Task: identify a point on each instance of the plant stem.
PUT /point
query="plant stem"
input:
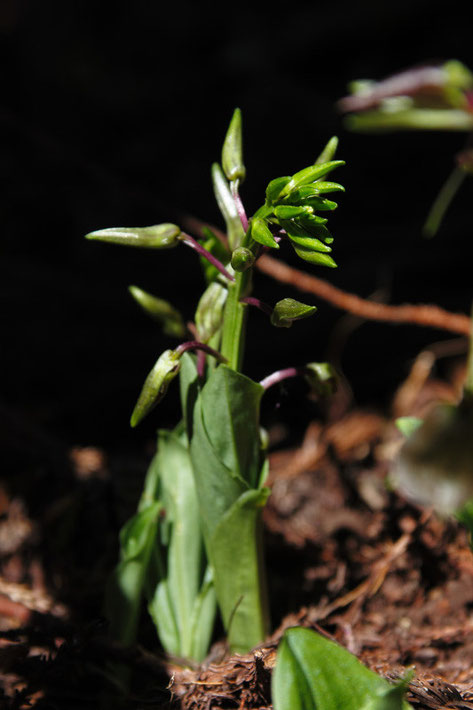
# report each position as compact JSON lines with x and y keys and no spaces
{"x":234,"y":321}
{"x":194,"y":244}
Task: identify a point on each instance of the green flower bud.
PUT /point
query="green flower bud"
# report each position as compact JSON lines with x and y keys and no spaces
{"x":156,"y":385}
{"x":322,"y":378}
{"x":288,"y":310}
{"x":169,"y":318}
{"x":209,"y":313}
{"x":242,"y":259}
{"x":262,"y":234}
{"x":159,"y":236}
{"x":232,"y":153}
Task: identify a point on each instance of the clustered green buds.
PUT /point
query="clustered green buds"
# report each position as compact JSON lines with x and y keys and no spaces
{"x":291,"y":207}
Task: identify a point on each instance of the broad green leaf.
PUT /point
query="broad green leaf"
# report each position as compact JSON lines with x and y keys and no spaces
{"x":167,"y":316}
{"x":125,"y":587}
{"x":232,"y":152}
{"x":188,"y":386}
{"x":288,"y":310}
{"x":209,"y":313}
{"x":230,"y":411}
{"x":314,"y":257}
{"x":314,"y":673}
{"x":159,"y":236}
{"x":310,"y":174}
{"x":156,"y":385}
{"x":236,"y":554}
{"x":261,"y":233}
{"x":227,"y":207}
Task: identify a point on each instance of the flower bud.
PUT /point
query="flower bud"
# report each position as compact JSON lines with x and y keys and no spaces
{"x":158,"y":236}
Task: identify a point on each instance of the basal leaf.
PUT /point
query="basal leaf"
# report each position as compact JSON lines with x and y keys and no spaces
{"x":314,"y":673}
{"x":235,"y":550}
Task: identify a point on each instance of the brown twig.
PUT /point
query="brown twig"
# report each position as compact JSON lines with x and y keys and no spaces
{"x":426,"y":315}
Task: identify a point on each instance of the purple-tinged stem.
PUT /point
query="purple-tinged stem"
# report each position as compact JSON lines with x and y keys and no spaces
{"x":239,"y":204}
{"x":194,"y":244}
{"x":281,"y":375}
{"x":200,"y":363}
{"x":197,"y":345}
{"x":251,"y":301}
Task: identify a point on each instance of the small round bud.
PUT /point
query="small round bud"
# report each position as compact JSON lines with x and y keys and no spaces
{"x":242,"y":259}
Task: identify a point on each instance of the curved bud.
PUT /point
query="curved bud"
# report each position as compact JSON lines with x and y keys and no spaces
{"x":158,"y":236}
{"x":262,"y":234}
{"x":310,"y":174}
{"x":156,"y":385}
{"x":232,"y":153}
{"x":242,"y":259}
{"x":321,"y":377}
{"x":288,"y":310}
{"x":328,"y":152}
{"x":167,"y":316}
{"x":275,"y":187}
{"x":209,"y":313}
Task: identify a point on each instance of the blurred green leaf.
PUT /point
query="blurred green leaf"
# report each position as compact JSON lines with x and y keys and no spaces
{"x":322,"y":378}
{"x":313,"y":673}
{"x":408,"y":425}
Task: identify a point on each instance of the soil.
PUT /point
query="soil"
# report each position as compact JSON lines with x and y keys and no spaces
{"x":346,"y":556}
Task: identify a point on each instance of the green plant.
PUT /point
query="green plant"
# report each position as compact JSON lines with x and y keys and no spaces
{"x":422,"y":98}
{"x":314,"y":673}
{"x":195,"y":542}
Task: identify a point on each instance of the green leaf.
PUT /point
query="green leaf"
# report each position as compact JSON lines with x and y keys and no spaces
{"x":315,"y":257}
{"x":173,"y":602}
{"x":274,"y":189}
{"x":235,"y":552}
{"x":288,"y":310}
{"x":232,"y":153}
{"x":125,"y":587}
{"x":166,"y":315}
{"x":261,"y":233}
{"x":408,"y":425}
{"x":159,"y":236}
{"x":156,"y":385}
{"x":313,"y":673}
{"x":227,"y":207}
{"x":310,"y":174}
{"x":189,"y":388}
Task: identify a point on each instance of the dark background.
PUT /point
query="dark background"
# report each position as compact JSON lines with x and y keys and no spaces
{"x":111,"y":115}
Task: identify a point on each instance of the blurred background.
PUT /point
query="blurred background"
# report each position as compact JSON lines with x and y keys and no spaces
{"x":111,"y":115}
